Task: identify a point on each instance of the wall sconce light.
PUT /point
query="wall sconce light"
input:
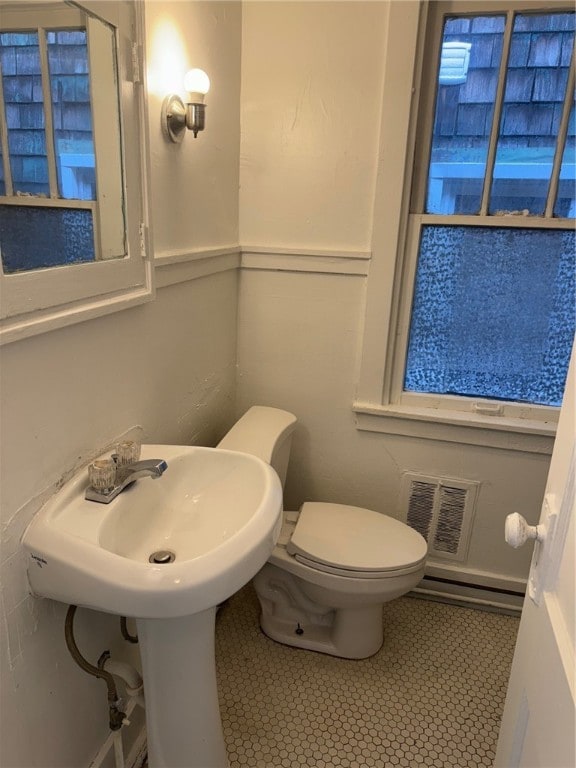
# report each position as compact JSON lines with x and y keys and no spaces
{"x":177,"y":116}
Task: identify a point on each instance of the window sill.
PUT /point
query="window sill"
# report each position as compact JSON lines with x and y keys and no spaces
{"x":524,"y":435}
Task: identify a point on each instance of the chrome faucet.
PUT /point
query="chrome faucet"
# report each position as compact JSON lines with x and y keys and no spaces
{"x":115,"y":478}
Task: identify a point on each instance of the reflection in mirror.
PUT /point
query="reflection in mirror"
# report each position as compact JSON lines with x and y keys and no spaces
{"x":61,"y":186}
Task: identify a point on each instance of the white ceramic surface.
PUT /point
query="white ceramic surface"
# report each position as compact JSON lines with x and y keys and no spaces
{"x":219,"y":511}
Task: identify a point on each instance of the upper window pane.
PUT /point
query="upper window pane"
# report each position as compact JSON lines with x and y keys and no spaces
{"x":536,"y":79}
{"x":464,"y":110}
{"x":493,"y":313}
{"x":533,"y":97}
{"x":23,"y":98}
{"x":71,"y":114}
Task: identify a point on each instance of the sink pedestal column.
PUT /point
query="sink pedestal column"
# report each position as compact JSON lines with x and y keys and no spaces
{"x":182,"y":713}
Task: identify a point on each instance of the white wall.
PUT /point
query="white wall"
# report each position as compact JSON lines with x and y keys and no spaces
{"x":311,"y":81}
{"x":311,"y":96}
{"x":195,"y":184}
{"x":167,"y":366}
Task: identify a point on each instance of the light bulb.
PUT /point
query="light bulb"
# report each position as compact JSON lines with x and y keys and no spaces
{"x":197,"y":83}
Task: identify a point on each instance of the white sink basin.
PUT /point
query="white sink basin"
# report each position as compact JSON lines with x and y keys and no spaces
{"x":218,"y":511}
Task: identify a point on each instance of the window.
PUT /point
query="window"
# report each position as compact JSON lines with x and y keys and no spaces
{"x":481,"y":316}
{"x":72,"y":239}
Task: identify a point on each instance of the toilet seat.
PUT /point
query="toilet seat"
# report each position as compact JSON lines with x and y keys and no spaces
{"x":354,"y":542}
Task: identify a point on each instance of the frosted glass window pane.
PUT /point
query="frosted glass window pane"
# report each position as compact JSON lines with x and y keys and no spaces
{"x":23,"y":99}
{"x":36,"y":238}
{"x":71,"y":113}
{"x":463,"y":117}
{"x":533,"y":100}
{"x":493,"y":313}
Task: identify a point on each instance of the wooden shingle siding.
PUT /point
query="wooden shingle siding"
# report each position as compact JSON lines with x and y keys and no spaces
{"x":536,"y":83}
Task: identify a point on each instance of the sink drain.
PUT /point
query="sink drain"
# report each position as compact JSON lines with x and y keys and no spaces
{"x":162,"y":556}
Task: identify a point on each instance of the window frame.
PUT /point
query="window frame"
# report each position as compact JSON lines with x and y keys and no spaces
{"x":41,"y":300}
{"x":381,"y":405}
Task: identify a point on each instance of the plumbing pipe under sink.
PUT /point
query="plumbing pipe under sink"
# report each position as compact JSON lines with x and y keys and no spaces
{"x":130,"y":676}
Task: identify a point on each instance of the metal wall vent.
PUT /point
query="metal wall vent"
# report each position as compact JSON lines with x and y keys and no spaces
{"x":454,"y":63}
{"x":442,"y":510}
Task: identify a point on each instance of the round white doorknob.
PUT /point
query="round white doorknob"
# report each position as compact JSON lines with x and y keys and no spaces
{"x":517,"y":531}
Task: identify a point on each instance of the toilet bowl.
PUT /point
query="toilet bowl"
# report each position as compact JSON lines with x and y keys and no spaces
{"x":333,"y":566}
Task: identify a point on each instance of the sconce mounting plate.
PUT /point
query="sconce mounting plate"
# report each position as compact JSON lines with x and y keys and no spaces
{"x":174,"y":118}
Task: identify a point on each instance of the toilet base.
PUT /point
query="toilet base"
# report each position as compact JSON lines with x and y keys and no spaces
{"x":349,"y":634}
{"x":290,"y":614}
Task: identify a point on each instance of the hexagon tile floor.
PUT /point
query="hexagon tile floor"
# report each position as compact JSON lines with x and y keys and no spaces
{"x":432,"y":696}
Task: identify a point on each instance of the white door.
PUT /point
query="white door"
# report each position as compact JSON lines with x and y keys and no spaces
{"x":539,"y":715}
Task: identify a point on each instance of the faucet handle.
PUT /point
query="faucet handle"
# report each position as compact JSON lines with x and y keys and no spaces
{"x":127,"y":452}
{"x":102,"y":475}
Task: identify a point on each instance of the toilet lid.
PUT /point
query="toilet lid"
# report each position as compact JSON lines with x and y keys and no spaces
{"x":355,"y":539}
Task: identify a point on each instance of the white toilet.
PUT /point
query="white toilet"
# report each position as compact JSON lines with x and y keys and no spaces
{"x":333,"y":566}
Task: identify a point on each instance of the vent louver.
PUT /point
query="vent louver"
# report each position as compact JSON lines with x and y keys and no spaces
{"x":441,"y":510}
{"x":450,"y":519}
{"x":421,"y":507}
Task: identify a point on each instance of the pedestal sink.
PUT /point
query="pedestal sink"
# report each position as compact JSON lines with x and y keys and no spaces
{"x":218,"y":512}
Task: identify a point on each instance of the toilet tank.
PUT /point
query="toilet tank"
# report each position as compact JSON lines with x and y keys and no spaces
{"x":265,"y":433}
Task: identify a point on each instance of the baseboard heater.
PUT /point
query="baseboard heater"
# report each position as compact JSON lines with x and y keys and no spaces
{"x":475,"y":595}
